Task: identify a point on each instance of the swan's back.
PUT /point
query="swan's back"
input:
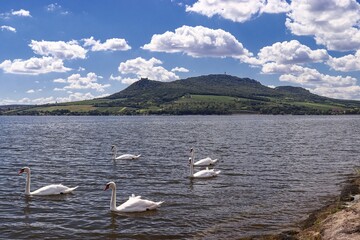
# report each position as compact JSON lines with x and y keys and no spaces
{"x":205,"y":161}
{"x":127,"y":157}
{"x":206,"y":173}
{"x":53,"y":189}
{"x":136,"y":204}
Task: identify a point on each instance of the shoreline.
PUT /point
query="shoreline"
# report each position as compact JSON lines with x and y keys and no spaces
{"x":339,"y":219}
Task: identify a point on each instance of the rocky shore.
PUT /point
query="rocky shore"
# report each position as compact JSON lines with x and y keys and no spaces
{"x":339,"y":220}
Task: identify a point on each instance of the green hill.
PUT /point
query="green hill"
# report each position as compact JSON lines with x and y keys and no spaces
{"x":211,"y":94}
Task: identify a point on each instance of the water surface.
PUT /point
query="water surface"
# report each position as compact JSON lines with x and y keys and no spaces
{"x":275,"y":170}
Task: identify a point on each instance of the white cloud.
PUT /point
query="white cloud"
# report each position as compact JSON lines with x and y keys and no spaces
{"x":59,"y":49}
{"x":291,"y":60}
{"x":198,"y":41}
{"x":292,"y":52}
{"x":8,"y":28}
{"x":34,"y":90}
{"x":142,"y":68}
{"x":75,"y":81}
{"x":78,"y":97}
{"x":349,"y":92}
{"x":33,"y":66}
{"x":312,"y":77}
{"x":44,"y":100}
{"x":238,"y":11}
{"x":117,"y":78}
{"x":55,"y":7}
{"x":113,"y":44}
{"x":346,"y":63}
{"x":333,"y":23}
{"x":21,"y":13}
{"x":179,"y":69}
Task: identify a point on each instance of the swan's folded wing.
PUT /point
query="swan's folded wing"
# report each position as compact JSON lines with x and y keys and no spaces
{"x":133,"y":196}
{"x":53,"y":189}
{"x":137,"y":205}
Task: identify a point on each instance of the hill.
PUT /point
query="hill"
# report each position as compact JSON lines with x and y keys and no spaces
{"x":211,"y":94}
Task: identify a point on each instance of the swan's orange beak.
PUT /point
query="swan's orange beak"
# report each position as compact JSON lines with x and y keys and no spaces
{"x":20,"y":171}
{"x":106,"y":187}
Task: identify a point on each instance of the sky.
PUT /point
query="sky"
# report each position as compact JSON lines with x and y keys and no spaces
{"x":66,"y":50}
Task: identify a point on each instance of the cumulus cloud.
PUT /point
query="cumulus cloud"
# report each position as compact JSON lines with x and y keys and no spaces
{"x":322,"y":84}
{"x":349,"y":92}
{"x":346,"y":63}
{"x":77,"y":96}
{"x":113,"y":44}
{"x":198,"y":41}
{"x":292,"y":52}
{"x":293,"y":60}
{"x":33,"y":66}
{"x":76,"y":81}
{"x":55,"y":7}
{"x":8,"y":28}
{"x":21,"y":13}
{"x":59,"y":49}
{"x":312,"y":77}
{"x":333,"y":23}
{"x":287,"y":56}
{"x":179,"y":69}
{"x":134,"y":69}
{"x":238,"y":11}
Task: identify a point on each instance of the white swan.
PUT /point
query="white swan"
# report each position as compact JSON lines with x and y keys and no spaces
{"x":53,"y":189}
{"x":205,"y":162}
{"x":124,"y":156}
{"x":206,"y":173}
{"x":134,"y":204}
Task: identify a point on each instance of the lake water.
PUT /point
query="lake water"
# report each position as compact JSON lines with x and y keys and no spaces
{"x":275,"y":170}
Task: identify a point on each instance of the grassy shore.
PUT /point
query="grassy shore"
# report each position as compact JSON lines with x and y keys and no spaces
{"x":338,"y":220}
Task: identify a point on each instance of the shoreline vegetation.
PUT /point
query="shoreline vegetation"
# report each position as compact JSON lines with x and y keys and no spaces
{"x":216,"y":94}
{"x":339,"y":219}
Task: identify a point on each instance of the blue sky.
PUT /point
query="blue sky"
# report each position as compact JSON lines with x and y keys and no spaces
{"x":58,"y":51}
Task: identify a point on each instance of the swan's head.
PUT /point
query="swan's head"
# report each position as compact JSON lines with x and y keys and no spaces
{"x":113,"y":147}
{"x":189,"y":160}
{"x":111,"y":185}
{"x":24,"y":170}
{"x":191,"y":150}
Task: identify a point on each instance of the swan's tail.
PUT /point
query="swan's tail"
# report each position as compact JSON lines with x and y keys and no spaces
{"x":69,"y":190}
{"x":217,"y":172}
{"x":159,"y":203}
{"x":138,"y":156}
{"x":214,"y":161}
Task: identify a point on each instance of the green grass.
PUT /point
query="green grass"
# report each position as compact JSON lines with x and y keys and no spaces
{"x":206,"y":98}
{"x":71,"y":108}
{"x":321,"y":106}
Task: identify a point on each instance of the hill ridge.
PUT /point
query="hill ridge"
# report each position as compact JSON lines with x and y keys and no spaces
{"x":206,"y":94}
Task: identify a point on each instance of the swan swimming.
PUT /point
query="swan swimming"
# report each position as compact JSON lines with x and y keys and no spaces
{"x":206,"y":173}
{"x":205,"y":161}
{"x":134,"y":204}
{"x":53,"y":189}
{"x":124,"y":156}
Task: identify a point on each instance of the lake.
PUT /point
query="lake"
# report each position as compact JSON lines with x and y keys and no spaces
{"x":274,"y":171}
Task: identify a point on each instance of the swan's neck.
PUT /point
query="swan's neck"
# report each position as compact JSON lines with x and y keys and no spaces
{"x":192,"y":164}
{"x":27,"y":187}
{"x":113,"y":200}
{"x":115,"y":153}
